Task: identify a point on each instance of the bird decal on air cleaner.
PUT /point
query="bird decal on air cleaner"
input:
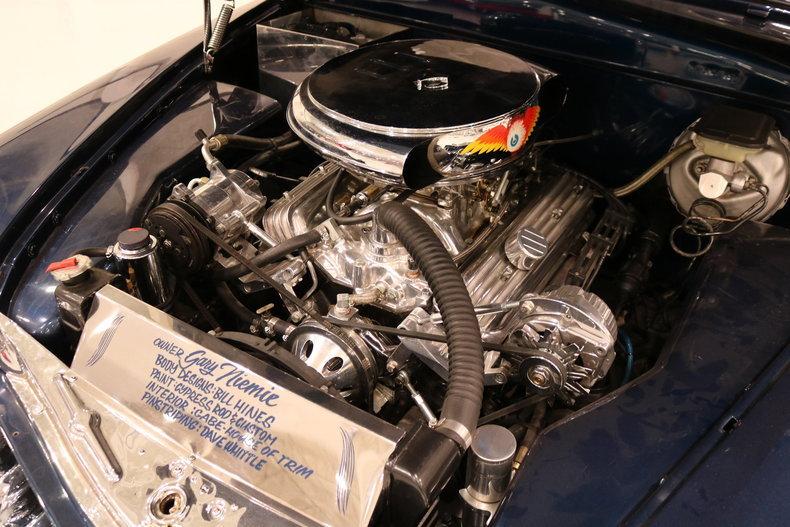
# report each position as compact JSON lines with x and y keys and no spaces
{"x":505,"y":138}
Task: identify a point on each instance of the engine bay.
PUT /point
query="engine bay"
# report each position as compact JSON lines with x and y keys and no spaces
{"x":411,"y":244}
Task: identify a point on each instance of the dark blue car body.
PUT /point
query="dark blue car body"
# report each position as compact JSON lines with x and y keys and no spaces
{"x":703,"y":438}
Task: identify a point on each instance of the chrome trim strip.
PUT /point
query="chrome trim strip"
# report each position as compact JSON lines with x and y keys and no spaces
{"x":345,"y":473}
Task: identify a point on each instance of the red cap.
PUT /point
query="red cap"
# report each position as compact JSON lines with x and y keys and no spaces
{"x":63,"y":264}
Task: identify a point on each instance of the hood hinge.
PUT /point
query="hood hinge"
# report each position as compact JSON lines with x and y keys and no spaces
{"x":212,"y":37}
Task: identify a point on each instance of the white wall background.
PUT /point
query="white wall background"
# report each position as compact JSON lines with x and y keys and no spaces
{"x":50,"y":48}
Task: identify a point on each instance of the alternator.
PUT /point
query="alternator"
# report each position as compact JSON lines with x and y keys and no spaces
{"x":573,"y":333}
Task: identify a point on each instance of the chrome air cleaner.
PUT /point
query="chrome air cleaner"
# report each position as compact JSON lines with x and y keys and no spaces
{"x":453,"y":109}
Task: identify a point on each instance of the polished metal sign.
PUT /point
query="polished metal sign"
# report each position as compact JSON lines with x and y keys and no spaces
{"x":298,"y":447}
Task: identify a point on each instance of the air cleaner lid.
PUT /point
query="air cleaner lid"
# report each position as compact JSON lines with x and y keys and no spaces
{"x":455,"y":109}
{"x":426,"y":85}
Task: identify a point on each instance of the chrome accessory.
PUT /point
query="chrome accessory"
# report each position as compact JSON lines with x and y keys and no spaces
{"x":228,"y":199}
{"x":140,"y":252}
{"x":574,"y":333}
{"x":212,"y":38}
{"x":464,"y":109}
{"x":555,"y":214}
{"x":736,"y":168}
{"x":488,"y":473}
{"x":365,"y":257}
{"x":342,"y":358}
{"x":403,"y":378}
{"x":702,"y":184}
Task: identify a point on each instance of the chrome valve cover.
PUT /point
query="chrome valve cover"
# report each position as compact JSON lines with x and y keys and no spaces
{"x":524,"y":259}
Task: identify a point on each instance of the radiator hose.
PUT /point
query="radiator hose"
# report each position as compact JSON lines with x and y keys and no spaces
{"x":464,"y":395}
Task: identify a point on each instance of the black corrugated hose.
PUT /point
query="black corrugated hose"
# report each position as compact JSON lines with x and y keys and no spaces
{"x":272,"y":254}
{"x":464,"y":395}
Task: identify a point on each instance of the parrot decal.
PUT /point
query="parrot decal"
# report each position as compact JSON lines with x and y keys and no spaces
{"x":503,"y":138}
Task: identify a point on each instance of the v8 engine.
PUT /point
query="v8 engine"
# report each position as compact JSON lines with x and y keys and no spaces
{"x":406,"y":266}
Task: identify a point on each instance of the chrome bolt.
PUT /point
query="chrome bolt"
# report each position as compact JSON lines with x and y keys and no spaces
{"x":215,"y":509}
{"x":177,"y":468}
{"x":343,"y":301}
{"x":540,"y":376}
{"x":361,"y":198}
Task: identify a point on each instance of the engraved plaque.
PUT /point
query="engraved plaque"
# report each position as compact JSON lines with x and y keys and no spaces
{"x":269,"y":432}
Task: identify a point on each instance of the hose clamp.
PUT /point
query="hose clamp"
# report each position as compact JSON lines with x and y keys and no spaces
{"x":456,"y":431}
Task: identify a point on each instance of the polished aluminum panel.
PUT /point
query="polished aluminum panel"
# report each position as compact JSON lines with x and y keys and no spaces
{"x":557,"y":211}
{"x":292,"y":56}
{"x":271,"y":432}
{"x":141,"y":433}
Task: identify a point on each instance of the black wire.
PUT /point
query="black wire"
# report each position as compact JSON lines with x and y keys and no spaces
{"x":330,"y":206}
{"x":420,"y":335}
{"x":270,"y":255}
{"x":92,"y":252}
{"x":263,"y":157}
{"x":709,"y":228}
{"x":507,"y":410}
{"x":566,"y":140}
{"x":200,"y":305}
{"x":220,"y":141}
{"x":234,"y":305}
{"x":753,"y":210}
{"x":277,"y":286}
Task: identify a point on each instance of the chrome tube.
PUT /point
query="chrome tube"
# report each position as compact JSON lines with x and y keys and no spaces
{"x":488,"y":473}
{"x":140,"y":252}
